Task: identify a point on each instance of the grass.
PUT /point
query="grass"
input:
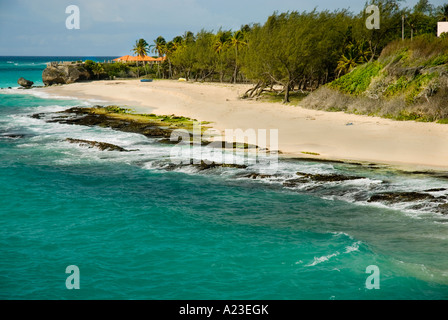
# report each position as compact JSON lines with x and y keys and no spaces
{"x":397,"y":87}
{"x":162,"y":120}
{"x":407,"y":83}
{"x":117,"y":109}
{"x":311,"y":153}
{"x":437,"y":61}
{"x":408,"y":116}
{"x":357,"y":81}
{"x":443,"y":121}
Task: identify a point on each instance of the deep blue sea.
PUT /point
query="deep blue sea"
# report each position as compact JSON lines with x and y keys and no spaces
{"x":137,"y":230}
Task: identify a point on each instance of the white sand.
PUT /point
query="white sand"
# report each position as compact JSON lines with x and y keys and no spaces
{"x":412,"y":145}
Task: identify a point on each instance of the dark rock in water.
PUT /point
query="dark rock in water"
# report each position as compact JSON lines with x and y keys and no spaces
{"x":257,"y":176}
{"x":37,"y":116}
{"x":100,"y":145}
{"x":25,"y":83}
{"x":205,"y":166}
{"x":396,"y":197}
{"x":12,"y":136}
{"x":174,"y":142}
{"x":64,"y":74}
{"x":436,"y":190}
{"x":327,"y":177}
{"x":293,"y":183}
{"x":443,"y":208}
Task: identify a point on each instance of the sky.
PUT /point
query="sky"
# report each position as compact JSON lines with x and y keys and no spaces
{"x":111,"y":27}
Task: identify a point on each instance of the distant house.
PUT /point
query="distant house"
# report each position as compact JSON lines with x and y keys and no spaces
{"x":442,"y":27}
{"x":151,"y":60}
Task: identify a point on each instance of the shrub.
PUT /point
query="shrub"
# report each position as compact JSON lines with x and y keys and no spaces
{"x":357,"y":81}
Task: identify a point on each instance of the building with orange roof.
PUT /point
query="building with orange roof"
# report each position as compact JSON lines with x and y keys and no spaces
{"x":129,"y":58}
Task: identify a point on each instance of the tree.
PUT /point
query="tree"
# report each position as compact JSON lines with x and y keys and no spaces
{"x":183,"y":58}
{"x":442,"y":13}
{"x":141,"y":49}
{"x":391,"y":18}
{"x":279,"y":51}
{"x":159,"y":48}
{"x":222,"y":43}
{"x":188,"y":37}
{"x":423,"y":6}
{"x":237,"y":41}
{"x":421,"y":19}
{"x":97,"y":69}
{"x":296,"y":49}
{"x":355,"y":54}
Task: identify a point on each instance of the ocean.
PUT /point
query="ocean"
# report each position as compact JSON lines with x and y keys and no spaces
{"x":138,"y":228}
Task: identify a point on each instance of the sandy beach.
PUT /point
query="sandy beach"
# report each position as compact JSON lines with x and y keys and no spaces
{"x":333,"y":136}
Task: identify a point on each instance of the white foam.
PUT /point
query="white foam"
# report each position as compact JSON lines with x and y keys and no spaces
{"x":341,"y":234}
{"x":318,"y":260}
{"x":353,"y":247}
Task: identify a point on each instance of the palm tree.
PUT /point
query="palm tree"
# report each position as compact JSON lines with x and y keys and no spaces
{"x":188,"y":37}
{"x":159,"y":48}
{"x":177,"y":42}
{"x":364,"y":52}
{"x":237,"y":40}
{"x":221,"y":43}
{"x":354,"y":54}
{"x":169,"y":50}
{"x":443,"y":13}
{"x":141,"y":48}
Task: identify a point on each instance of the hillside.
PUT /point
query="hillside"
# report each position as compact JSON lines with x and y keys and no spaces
{"x":409,"y":81}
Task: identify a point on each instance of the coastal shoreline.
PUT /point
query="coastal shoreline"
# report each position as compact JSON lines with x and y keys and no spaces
{"x":303,"y":133}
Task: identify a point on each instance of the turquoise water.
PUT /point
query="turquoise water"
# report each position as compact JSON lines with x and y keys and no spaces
{"x":139,"y":230}
{"x":12,"y":68}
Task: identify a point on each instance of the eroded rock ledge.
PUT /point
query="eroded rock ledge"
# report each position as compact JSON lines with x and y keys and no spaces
{"x":103,"y":146}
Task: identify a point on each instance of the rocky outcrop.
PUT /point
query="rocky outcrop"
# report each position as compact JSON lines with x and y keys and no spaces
{"x":25,"y":83}
{"x":103,"y":146}
{"x":206,"y":166}
{"x":396,"y":197}
{"x":306,"y":177}
{"x":88,"y":117}
{"x":64,"y":74}
{"x":416,"y":197}
{"x":255,"y":176}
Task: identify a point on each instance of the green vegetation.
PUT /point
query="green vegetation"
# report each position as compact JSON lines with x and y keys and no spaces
{"x":311,"y":153}
{"x":409,"y":81}
{"x":357,"y":81}
{"x":318,"y":59}
{"x":119,"y":110}
{"x":161,"y":120}
{"x":299,"y":51}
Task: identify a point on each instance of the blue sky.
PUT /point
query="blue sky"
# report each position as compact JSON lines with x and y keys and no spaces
{"x":111,"y":27}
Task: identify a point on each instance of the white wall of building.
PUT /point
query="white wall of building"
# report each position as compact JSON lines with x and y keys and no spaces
{"x":441,"y":28}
